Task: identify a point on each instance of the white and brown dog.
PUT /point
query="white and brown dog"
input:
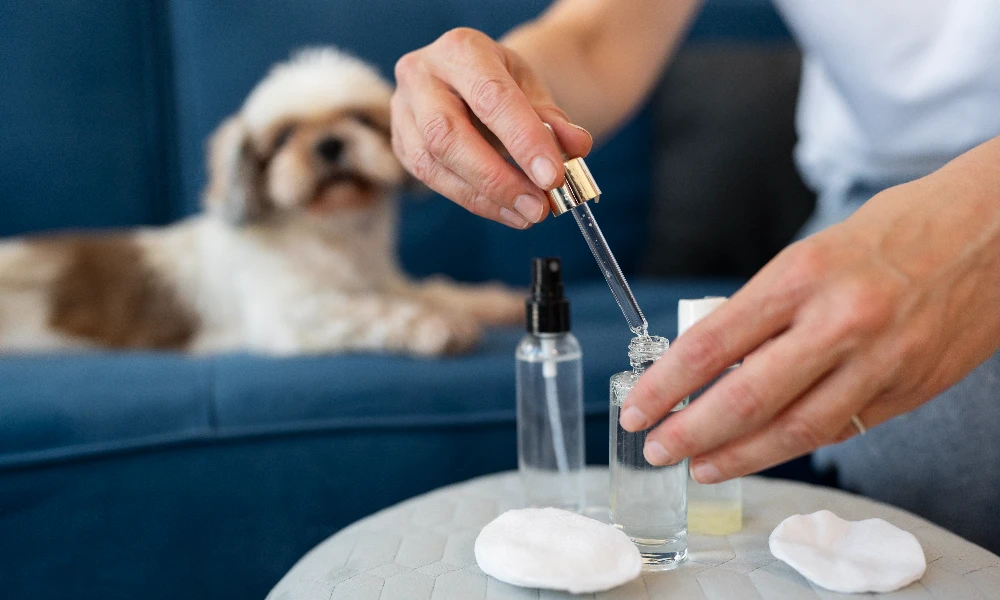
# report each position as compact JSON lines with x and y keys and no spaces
{"x":294,"y":252}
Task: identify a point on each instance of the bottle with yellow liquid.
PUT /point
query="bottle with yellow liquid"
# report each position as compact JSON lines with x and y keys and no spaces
{"x":717,"y":508}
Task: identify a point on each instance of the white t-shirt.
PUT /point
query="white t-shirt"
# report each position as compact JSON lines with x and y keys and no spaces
{"x":892,"y":89}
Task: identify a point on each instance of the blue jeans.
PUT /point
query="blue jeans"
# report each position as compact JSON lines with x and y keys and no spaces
{"x":940,"y":461}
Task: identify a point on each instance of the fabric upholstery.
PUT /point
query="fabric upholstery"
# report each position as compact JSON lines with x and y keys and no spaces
{"x":80,"y":125}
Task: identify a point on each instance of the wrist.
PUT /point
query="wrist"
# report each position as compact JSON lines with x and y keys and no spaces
{"x":934,"y":226}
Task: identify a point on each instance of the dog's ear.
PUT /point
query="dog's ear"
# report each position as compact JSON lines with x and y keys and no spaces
{"x":235,"y":175}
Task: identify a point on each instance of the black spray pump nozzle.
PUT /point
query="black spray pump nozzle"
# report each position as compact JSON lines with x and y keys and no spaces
{"x":546,"y":279}
{"x":547,"y":309}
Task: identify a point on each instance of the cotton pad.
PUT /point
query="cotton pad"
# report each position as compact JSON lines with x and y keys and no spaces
{"x":848,"y":556}
{"x":556,"y":549}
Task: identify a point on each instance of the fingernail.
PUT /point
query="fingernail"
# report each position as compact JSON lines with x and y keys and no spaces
{"x":575,"y":126}
{"x":513,"y":219}
{"x":531,"y":208}
{"x":656,"y":454}
{"x":543,"y":171}
{"x":705,"y":472}
{"x":632,"y":419}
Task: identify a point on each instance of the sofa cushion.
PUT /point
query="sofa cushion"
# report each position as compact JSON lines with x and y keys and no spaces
{"x":56,"y":408}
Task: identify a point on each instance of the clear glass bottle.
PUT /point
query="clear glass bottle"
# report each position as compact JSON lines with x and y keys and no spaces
{"x":715,"y":508}
{"x":549,"y":373}
{"x":648,"y":503}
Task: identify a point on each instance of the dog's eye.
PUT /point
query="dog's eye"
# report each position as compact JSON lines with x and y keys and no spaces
{"x":282,"y":137}
{"x":370,"y":121}
{"x":366,"y":120}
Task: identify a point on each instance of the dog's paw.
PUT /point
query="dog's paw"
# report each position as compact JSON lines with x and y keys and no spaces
{"x":437,"y":334}
{"x":497,"y":304}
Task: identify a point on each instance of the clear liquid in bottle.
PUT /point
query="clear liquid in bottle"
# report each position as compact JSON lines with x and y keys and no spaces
{"x":648,"y":503}
{"x":550,"y":421}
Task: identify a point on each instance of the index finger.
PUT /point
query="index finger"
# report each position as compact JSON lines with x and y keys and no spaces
{"x":747,"y":399}
{"x":484,"y":82}
{"x":724,"y":337}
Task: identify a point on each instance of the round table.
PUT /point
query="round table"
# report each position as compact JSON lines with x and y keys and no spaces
{"x":423,"y":549}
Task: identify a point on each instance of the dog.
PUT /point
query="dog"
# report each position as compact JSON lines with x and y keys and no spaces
{"x":293,"y":252}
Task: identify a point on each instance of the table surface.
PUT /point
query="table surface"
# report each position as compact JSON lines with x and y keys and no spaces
{"x":423,"y":549}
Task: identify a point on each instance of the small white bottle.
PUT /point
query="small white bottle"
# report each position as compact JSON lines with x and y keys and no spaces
{"x":717,"y":508}
{"x":550,"y":444}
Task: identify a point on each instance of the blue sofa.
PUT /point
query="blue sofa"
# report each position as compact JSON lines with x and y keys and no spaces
{"x":156,"y":475}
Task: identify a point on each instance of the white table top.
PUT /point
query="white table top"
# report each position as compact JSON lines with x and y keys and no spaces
{"x":423,"y":549}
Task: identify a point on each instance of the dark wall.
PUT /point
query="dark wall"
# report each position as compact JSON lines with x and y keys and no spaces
{"x":726,"y":196}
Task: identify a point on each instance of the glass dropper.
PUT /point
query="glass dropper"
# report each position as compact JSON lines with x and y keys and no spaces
{"x":578,"y":188}
{"x":612,"y":272}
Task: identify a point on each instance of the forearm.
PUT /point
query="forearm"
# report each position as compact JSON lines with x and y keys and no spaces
{"x":601,"y":58}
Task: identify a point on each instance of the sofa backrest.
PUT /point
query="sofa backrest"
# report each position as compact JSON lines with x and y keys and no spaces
{"x":107,"y":105}
{"x":81,"y":116}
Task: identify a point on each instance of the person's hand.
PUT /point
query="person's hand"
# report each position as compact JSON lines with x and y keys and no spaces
{"x":871,"y":317}
{"x":462,"y":86}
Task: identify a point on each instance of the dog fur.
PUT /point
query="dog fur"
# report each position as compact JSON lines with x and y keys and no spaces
{"x":294,"y":251}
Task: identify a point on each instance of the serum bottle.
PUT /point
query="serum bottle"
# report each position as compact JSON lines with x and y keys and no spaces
{"x":717,"y":508}
{"x":550,"y":445}
{"x":648,"y":503}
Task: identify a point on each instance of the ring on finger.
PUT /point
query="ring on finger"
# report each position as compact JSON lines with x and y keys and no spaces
{"x":859,"y":424}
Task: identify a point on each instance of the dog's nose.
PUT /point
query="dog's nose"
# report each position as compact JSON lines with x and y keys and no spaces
{"x":330,"y":149}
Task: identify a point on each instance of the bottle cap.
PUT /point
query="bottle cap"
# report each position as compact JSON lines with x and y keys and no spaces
{"x":547,"y":310}
{"x":690,"y":312}
{"x":578,"y":188}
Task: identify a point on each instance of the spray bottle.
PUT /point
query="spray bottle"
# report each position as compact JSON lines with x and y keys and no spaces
{"x":550,"y":443}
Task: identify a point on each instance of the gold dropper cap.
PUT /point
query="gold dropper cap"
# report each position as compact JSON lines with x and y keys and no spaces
{"x":579,"y":185}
